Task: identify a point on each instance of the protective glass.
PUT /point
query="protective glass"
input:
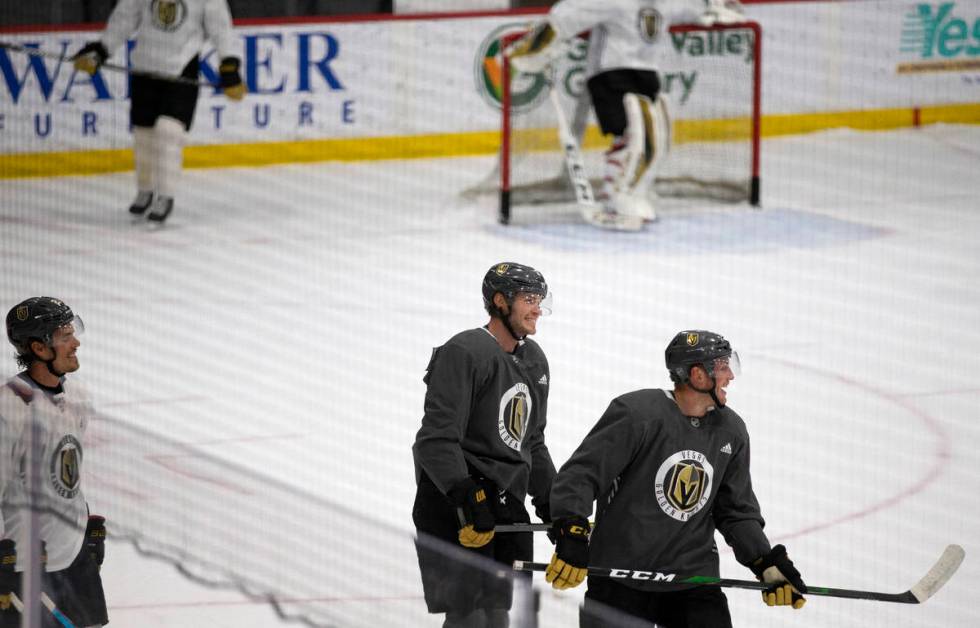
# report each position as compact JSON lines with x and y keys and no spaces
{"x":545,"y":302}
{"x":730,"y":363}
{"x":67,"y":333}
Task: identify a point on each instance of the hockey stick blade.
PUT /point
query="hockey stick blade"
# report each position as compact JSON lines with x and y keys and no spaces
{"x":940,"y":573}
{"x":944,"y":568}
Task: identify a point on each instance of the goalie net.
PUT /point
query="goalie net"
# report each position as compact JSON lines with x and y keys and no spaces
{"x":711,"y":79}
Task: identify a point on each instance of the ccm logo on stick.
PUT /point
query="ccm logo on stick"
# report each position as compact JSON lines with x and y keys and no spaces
{"x":632,"y":574}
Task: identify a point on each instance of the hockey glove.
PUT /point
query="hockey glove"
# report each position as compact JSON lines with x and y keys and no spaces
{"x":722,"y":12}
{"x":570,"y":563}
{"x":90,"y":57}
{"x":8,"y":577}
{"x":473,"y":510}
{"x":776,"y":569}
{"x":536,"y":50}
{"x":231,"y":80}
{"x":95,"y":538}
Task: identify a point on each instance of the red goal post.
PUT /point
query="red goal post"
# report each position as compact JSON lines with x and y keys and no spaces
{"x":715,"y":75}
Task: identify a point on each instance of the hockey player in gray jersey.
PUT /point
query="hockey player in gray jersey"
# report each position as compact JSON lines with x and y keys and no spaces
{"x":45,"y":331}
{"x":169,"y":36}
{"x":666,"y":469}
{"x":627,"y":44}
{"x":481,"y":450}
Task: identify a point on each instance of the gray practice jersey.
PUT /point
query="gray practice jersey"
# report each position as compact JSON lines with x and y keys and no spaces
{"x":486,"y":409}
{"x":625,"y":33}
{"x":663,"y":483}
{"x":62,"y":419}
{"x":169,"y":33}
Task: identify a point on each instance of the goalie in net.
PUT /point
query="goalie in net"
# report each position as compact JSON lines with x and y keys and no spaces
{"x":630,"y":41}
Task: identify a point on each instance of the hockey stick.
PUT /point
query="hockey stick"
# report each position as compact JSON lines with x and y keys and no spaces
{"x":522,"y":527}
{"x":48,"y":603}
{"x":925,"y":588}
{"x":592,"y":212}
{"x":34,"y":52}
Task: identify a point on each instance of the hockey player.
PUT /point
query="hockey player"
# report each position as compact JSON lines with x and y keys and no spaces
{"x":44,"y":332}
{"x":169,"y":36}
{"x":667,"y":468}
{"x":626,"y":49}
{"x":481,"y":450}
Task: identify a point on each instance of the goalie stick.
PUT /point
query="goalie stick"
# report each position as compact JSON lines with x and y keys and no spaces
{"x":35,"y":52}
{"x":593,"y":213}
{"x":925,"y":588}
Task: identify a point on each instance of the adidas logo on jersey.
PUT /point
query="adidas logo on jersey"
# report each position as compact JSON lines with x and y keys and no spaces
{"x":727,"y":449}
{"x":544,"y":380}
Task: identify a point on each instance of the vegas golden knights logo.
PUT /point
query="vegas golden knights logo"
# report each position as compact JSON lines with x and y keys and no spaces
{"x":683,"y":484}
{"x":692,"y":340}
{"x":66,"y":467}
{"x":69,"y":467}
{"x":518,"y":412}
{"x":22,"y":313}
{"x":501,"y":269}
{"x":649,"y":23}
{"x":686,"y":485}
{"x":515,"y":415}
{"x":168,"y":15}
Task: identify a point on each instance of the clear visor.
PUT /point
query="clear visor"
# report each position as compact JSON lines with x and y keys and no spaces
{"x":66,"y":333}
{"x":727,"y":365}
{"x":545,"y":303}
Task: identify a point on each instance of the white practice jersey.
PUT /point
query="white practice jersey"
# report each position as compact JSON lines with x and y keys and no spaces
{"x":62,"y":419}
{"x":169,"y":33}
{"x":625,"y":33}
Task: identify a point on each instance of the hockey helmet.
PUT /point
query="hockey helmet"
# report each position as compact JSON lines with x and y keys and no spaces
{"x":509,"y":279}
{"x":698,"y":347}
{"x":38,"y":318}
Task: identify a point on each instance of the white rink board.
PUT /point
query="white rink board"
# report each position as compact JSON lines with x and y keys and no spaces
{"x":403,"y":77}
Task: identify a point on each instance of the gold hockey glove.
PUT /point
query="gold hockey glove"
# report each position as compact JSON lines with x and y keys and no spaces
{"x":8,"y":577}
{"x":473,"y":510}
{"x":231,"y":80}
{"x":90,"y":57}
{"x":569,"y":563}
{"x":776,"y":569}
{"x":95,"y":538}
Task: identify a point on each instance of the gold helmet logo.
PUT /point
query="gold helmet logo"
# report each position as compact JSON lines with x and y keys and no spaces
{"x":692,"y":340}
{"x":501,"y":269}
{"x":22,"y":313}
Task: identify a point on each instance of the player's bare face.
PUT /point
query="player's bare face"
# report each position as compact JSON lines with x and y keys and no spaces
{"x":525,"y":312}
{"x":65,"y":345}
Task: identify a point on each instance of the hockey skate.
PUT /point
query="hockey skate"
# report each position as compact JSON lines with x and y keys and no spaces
{"x":141,"y":203}
{"x":162,"y":207}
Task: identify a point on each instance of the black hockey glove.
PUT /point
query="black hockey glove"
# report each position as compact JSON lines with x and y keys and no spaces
{"x":473,"y":511}
{"x":231,"y":80}
{"x":90,"y":57}
{"x":95,"y":538}
{"x":8,"y":577}
{"x":570,"y":563}
{"x":776,"y":569}
{"x":543,"y":512}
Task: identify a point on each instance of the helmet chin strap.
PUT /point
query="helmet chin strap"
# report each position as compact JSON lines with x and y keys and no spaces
{"x":709,"y":391}
{"x":506,"y":320}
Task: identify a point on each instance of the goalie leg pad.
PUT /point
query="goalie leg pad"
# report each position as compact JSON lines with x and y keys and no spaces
{"x":631,"y":163}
